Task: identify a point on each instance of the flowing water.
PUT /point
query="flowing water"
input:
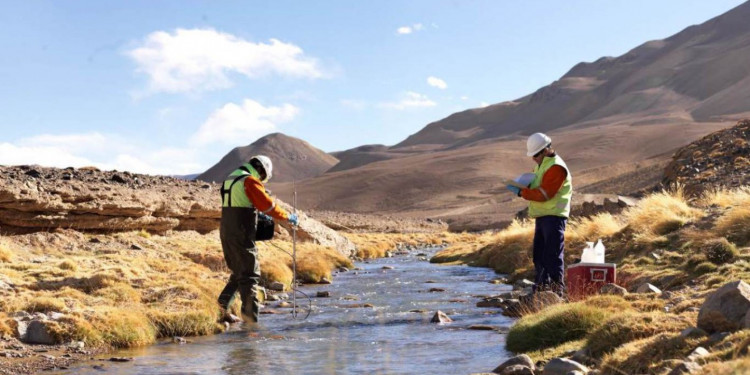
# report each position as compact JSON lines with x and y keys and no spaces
{"x":338,"y":338}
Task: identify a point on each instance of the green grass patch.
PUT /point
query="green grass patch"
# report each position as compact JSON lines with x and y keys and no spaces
{"x":554,"y":326}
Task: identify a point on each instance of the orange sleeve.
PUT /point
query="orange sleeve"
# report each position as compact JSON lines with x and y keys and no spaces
{"x":551,"y":183}
{"x":256,"y":192}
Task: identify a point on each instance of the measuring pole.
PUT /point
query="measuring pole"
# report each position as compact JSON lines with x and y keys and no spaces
{"x":294,"y":253}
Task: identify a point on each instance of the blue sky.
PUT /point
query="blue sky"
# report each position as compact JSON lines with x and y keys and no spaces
{"x":171,"y":86}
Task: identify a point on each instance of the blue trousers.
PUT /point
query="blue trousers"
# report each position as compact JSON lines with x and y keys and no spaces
{"x":549,"y":249}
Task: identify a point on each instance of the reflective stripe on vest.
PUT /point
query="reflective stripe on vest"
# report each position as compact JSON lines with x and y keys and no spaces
{"x":236,"y":191}
{"x":559,"y":205}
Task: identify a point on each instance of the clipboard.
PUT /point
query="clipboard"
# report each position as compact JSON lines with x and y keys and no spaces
{"x":514,"y":183}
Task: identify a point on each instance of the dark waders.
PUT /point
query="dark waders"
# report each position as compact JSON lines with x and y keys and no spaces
{"x":237,"y":235}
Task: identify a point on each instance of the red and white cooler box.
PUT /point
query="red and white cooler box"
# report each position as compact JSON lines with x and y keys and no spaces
{"x":583,"y":279}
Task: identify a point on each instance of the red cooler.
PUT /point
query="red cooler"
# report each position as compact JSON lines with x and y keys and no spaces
{"x":585,"y":279}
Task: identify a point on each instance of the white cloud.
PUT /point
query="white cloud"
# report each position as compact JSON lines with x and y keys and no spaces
{"x":437,"y":82}
{"x":408,"y":100}
{"x":239,"y":124}
{"x":404,"y":30}
{"x":464,"y":97}
{"x":483,"y":104}
{"x":105,"y":152}
{"x":191,"y":60}
{"x":11,"y":154}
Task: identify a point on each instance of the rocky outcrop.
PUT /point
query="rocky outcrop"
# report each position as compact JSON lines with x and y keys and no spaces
{"x":726,"y":309}
{"x":718,"y":159}
{"x":34,"y":198}
{"x":587,"y":205}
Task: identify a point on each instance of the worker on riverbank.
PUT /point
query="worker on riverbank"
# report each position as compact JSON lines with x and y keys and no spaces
{"x":243,"y":196}
{"x":549,"y":197}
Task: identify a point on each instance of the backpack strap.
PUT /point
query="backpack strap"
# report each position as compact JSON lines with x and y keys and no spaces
{"x":228,"y":192}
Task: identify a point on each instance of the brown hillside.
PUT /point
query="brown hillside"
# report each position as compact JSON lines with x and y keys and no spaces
{"x":616,"y":121}
{"x":720,"y":159}
{"x":293,"y":159}
{"x":463,"y":186}
{"x":700,"y":74}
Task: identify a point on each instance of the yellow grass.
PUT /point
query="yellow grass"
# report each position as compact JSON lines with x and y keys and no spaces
{"x":5,"y":254}
{"x":735,"y":225}
{"x":376,"y":245}
{"x":648,"y":355}
{"x":660,"y":213}
{"x":68,"y":264}
{"x":45,"y":304}
{"x":5,"y":328}
{"x":114,"y":296}
{"x":629,"y":326}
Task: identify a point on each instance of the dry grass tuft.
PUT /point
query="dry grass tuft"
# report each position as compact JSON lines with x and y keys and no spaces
{"x":44,"y":304}
{"x":275,"y":269}
{"x":592,"y":228}
{"x":68,"y":264}
{"x":733,"y":367}
{"x":661,"y":213}
{"x":5,"y":328}
{"x":647,"y":356}
{"x":735,"y":225}
{"x":630,"y":326}
{"x":6,"y":255}
{"x":114,"y":297}
{"x":720,"y":251}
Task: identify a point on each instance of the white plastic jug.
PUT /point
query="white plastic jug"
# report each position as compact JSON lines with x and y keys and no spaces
{"x":593,"y":253}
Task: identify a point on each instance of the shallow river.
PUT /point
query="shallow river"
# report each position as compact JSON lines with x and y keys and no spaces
{"x":339,"y":339}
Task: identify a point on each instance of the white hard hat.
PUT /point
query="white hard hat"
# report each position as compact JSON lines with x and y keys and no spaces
{"x":267,"y":165}
{"x":537,"y":142}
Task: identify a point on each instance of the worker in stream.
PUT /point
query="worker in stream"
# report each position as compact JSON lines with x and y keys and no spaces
{"x":244,"y":197}
{"x":549,"y":195}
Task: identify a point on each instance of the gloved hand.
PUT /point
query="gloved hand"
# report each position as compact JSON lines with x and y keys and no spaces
{"x":293,"y":219}
{"x":514,"y":189}
{"x":264,"y":217}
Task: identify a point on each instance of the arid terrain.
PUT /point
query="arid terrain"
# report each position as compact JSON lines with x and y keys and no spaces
{"x":616,"y":121}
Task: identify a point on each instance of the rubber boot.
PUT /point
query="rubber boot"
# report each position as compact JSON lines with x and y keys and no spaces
{"x":250,"y":304}
{"x":250,"y":309}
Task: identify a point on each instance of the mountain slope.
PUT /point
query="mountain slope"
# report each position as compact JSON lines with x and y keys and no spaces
{"x":293,"y":159}
{"x":697,"y":75}
{"x":616,"y":121}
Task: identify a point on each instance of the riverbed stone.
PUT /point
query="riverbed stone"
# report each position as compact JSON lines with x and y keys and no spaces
{"x":37,"y":332}
{"x":440,"y":317}
{"x":323,"y":294}
{"x":517,"y":370}
{"x":693,"y":332}
{"x":648,"y":288}
{"x":537,"y":301}
{"x":562,"y":366}
{"x":491,"y":302}
{"x":481,"y":327}
{"x":519,"y":360}
{"x":277,"y":286}
{"x":613,"y":289}
{"x":687,"y":367}
{"x":698,"y":353}
{"x":726,"y":309}
{"x":522,"y":284}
